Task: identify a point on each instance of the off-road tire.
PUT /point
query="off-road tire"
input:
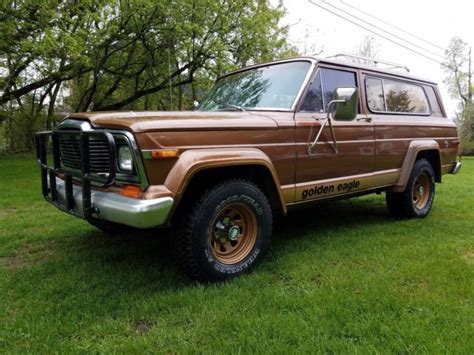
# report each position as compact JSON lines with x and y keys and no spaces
{"x":199,"y":249}
{"x":414,"y":202}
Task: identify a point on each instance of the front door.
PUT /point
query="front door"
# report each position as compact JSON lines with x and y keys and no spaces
{"x":322,"y":173}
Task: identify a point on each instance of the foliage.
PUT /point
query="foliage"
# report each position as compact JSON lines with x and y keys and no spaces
{"x":20,"y":132}
{"x":21,"y":123}
{"x":3,"y":144}
{"x":458,"y":68}
{"x":399,"y":101}
{"x":60,"y":56}
{"x":351,"y":280}
{"x":368,"y":48}
{"x":134,"y":54}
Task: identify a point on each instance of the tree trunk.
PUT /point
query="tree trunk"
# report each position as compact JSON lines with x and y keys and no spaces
{"x":52,"y":103}
{"x":180,"y":98}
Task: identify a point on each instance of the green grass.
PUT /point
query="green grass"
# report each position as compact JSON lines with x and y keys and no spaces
{"x":471,"y":147}
{"x":342,"y":277}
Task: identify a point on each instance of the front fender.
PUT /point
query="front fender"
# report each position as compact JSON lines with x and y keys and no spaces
{"x":192,"y":161}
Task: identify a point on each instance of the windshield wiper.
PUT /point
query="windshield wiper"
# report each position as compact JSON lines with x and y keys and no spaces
{"x":225,"y":104}
{"x":240,"y":108}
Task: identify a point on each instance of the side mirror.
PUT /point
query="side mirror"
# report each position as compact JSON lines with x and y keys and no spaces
{"x":344,"y":106}
{"x":346,"y":101}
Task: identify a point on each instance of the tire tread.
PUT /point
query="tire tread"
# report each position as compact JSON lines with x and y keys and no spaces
{"x":400,"y":204}
{"x":186,"y":255}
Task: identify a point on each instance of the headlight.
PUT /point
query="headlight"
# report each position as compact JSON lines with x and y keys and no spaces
{"x":125,"y":161}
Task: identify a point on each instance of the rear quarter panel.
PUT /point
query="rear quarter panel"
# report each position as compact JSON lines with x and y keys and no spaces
{"x":394,"y":132}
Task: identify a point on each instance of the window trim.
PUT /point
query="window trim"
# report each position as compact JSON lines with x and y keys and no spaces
{"x":300,"y":91}
{"x":319,"y":69}
{"x":320,"y":72}
{"x":303,"y":84}
{"x":430,"y":110}
{"x":313,"y":77}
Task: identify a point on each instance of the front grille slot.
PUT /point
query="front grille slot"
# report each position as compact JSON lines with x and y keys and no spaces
{"x":70,"y":152}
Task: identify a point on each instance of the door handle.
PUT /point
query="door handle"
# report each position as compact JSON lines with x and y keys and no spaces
{"x":366,"y":119}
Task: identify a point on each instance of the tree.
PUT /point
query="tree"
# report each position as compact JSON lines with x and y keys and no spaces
{"x":130,"y":53}
{"x":124,"y":54}
{"x":399,"y":101}
{"x":458,"y":69}
{"x":368,"y":48}
{"x":44,"y":43}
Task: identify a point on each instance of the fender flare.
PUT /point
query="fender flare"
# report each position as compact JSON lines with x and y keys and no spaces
{"x":414,"y":148}
{"x":193,"y":161}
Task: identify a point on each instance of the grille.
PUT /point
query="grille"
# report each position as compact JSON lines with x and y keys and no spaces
{"x":69,"y":146}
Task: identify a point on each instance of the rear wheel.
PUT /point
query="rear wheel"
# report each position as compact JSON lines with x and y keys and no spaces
{"x":227,"y":232}
{"x":417,"y":198}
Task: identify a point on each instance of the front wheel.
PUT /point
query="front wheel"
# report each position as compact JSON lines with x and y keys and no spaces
{"x":417,"y":198}
{"x":227,"y":231}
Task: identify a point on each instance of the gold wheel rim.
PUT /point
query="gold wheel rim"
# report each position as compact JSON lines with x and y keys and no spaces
{"x":233,"y":233}
{"x":421,"y":191}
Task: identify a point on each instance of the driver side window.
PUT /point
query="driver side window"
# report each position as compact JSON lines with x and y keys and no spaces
{"x":313,"y":102}
{"x":321,"y":89}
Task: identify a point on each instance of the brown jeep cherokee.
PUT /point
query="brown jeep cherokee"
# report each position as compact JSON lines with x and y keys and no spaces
{"x":266,"y":138}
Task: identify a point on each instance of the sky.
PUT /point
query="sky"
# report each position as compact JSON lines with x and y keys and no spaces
{"x":312,"y":29}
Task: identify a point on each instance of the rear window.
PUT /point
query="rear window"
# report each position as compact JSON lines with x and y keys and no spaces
{"x":393,"y":96}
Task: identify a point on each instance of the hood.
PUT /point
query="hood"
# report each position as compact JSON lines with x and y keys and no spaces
{"x":174,"y":121}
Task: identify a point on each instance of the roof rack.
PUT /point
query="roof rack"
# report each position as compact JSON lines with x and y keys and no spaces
{"x":391,"y":65}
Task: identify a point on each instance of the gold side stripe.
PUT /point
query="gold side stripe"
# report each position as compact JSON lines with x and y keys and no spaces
{"x":319,"y":189}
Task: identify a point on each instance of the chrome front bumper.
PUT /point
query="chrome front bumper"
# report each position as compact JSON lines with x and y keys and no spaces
{"x":120,"y":209}
{"x":456,"y":167}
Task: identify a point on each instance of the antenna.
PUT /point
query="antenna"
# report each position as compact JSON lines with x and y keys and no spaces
{"x":375,"y":61}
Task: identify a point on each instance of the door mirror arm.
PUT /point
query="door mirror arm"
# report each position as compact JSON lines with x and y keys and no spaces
{"x":328,"y":120}
{"x":343,"y":108}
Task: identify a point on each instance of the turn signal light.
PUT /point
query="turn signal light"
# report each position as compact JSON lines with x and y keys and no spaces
{"x":164,"y":153}
{"x":131,"y":191}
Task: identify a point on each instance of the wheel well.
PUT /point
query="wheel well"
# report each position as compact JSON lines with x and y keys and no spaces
{"x":433,"y":157}
{"x":257,"y":174}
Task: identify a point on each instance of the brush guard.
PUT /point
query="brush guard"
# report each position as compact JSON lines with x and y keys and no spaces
{"x":82,"y":177}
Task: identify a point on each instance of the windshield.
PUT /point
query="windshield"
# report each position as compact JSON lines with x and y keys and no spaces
{"x":271,"y":87}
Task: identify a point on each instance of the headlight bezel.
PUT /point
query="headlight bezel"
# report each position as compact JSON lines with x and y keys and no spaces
{"x":125,"y":159}
{"x":137,"y":175}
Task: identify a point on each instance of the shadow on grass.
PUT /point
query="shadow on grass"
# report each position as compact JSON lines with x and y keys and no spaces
{"x":92,"y":273}
{"x":144,"y":265}
{"x":330,"y":217}
{"x":152,"y":253}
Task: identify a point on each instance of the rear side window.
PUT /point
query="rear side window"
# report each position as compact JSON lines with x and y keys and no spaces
{"x":394,"y":96}
{"x":321,"y":90}
{"x":375,"y":96}
{"x":433,"y":100}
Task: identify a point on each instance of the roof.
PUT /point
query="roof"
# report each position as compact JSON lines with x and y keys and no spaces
{"x":341,"y":63}
{"x":374,"y":69}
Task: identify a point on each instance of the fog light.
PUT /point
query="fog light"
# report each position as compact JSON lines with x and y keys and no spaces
{"x":125,"y":158}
